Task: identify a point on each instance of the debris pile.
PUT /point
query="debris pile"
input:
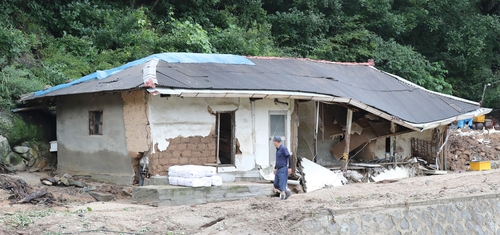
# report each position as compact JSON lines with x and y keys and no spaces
{"x":62,"y":180}
{"x":377,"y":170}
{"x":469,"y":145}
{"x":23,"y":193}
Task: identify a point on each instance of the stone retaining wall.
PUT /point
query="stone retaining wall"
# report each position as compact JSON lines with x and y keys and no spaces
{"x":470,"y":215}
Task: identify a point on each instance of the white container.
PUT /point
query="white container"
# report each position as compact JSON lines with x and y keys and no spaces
{"x":53,"y":146}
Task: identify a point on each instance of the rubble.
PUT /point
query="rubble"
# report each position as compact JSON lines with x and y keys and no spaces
{"x":102,"y":197}
{"x":65,"y":180}
{"x":469,"y":145}
{"x":22,"y":193}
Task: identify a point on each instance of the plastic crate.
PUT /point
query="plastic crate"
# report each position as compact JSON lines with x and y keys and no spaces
{"x":480,"y":166}
{"x":479,"y":118}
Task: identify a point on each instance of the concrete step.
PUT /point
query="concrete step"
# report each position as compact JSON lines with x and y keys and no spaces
{"x":169,"y":195}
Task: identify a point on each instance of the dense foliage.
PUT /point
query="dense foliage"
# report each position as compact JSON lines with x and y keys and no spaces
{"x":449,"y":46}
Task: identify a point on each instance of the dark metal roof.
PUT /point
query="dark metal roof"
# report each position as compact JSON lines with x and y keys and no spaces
{"x":362,"y":83}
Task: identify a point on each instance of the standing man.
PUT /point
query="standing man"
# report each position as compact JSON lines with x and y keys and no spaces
{"x":282,"y":169}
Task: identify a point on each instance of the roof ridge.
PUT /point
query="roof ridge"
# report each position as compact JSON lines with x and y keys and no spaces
{"x":370,"y":62}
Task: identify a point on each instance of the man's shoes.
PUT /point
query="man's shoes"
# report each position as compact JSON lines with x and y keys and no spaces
{"x":287,"y":194}
{"x":282,"y":197}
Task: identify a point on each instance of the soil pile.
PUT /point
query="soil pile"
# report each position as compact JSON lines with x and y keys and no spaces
{"x":469,"y":145}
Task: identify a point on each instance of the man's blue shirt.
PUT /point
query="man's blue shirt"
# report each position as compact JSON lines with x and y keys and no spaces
{"x":282,"y":157}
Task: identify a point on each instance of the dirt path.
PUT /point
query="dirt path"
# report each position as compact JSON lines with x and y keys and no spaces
{"x":253,"y":216}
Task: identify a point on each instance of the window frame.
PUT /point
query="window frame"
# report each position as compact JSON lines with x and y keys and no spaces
{"x":92,"y":122}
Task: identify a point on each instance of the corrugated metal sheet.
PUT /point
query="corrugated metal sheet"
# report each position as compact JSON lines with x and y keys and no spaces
{"x":362,"y":83}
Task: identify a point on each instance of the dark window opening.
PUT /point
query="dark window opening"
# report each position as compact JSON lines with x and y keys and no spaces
{"x":95,"y":123}
{"x":225,"y":138}
{"x":388,"y":145}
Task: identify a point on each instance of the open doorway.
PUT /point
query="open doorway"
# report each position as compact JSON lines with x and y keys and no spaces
{"x":225,"y":138}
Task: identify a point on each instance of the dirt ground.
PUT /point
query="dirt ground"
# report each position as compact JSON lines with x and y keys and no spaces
{"x":81,"y":214}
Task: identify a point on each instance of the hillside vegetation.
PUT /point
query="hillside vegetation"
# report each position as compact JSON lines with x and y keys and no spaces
{"x":451,"y":46}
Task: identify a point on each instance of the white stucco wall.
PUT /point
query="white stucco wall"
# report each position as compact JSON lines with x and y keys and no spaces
{"x":184,"y":117}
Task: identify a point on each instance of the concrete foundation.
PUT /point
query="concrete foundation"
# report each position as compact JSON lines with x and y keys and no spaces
{"x":168,"y":195}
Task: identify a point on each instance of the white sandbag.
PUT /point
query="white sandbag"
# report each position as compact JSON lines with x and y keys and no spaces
{"x":216,"y":180}
{"x":197,"y":182}
{"x":172,"y":180}
{"x":192,"y":171}
{"x":209,"y":170}
{"x":181,"y":181}
{"x":175,"y":171}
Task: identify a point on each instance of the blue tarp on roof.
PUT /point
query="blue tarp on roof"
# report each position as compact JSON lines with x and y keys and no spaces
{"x":167,"y":57}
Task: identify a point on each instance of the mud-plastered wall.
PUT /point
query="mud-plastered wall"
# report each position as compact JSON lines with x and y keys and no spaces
{"x":135,"y":118}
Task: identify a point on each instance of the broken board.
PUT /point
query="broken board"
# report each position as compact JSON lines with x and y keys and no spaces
{"x":318,"y":177}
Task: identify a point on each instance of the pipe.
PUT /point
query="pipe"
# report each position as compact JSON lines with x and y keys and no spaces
{"x":252,"y":110}
{"x":316,"y":131}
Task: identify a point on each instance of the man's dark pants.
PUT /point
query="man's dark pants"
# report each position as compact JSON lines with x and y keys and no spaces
{"x":281,"y":178}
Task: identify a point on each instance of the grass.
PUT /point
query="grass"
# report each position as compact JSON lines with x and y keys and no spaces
{"x":83,"y":210}
{"x":25,"y":218}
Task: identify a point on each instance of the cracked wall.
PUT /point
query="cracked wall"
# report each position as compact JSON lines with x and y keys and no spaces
{"x":192,"y":119}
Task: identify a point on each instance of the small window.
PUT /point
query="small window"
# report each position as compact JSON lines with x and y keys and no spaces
{"x":95,"y":123}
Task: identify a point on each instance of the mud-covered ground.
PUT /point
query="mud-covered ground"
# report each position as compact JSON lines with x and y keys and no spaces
{"x":79,"y":213}
{"x":74,"y":211}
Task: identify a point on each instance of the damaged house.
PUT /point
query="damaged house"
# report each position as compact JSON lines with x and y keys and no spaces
{"x":223,"y":110}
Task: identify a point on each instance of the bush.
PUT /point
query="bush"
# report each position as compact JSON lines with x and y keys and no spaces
{"x":20,"y":131}
{"x":185,"y":36}
{"x":14,"y":82}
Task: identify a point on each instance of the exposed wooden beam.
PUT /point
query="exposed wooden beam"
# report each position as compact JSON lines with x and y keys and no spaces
{"x":347,"y":139}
